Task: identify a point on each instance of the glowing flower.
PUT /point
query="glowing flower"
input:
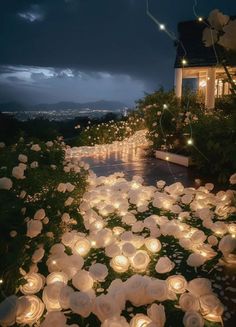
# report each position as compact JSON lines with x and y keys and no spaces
{"x":31,"y":311}
{"x":157,"y":314}
{"x":82,"y":246}
{"x":199,"y":286}
{"x":140,"y":260}
{"x":210,"y":304}
{"x":115,"y":322}
{"x":140,"y":320}
{"x":40,"y":214}
{"x":128,"y":249}
{"x":34,"y":284}
{"x":196,"y":260}
{"x":188,"y":302}
{"x":34,"y":228}
{"x":98,"y":271}
{"x":152,"y":244}
{"x":157,"y":290}
{"x":51,"y":296}
{"x":82,"y":280}
{"x":120,"y":263}
{"x":55,"y":277}
{"x":64,"y":296}
{"x":177,"y":284}
{"x":105,"y":307}
{"x":8,"y":309}
{"x":35,"y":147}
{"x":193,"y":319}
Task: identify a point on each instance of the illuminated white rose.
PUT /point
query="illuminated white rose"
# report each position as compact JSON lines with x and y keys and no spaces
{"x":161,"y":184}
{"x":115,"y":322}
{"x":157,"y":315}
{"x":57,"y":248}
{"x":82,"y":246}
{"x":204,"y":213}
{"x":82,"y":280}
{"x":219,"y":227}
{"x":5,"y":183}
{"x":53,"y":319}
{"x":177,"y":284}
{"x":199,"y":286}
{"x":34,"y":228}
{"x":68,"y":201}
{"x":140,"y":320}
{"x":188,"y":302}
{"x":210,"y":304}
{"x":34,"y":164}
{"x":140,"y":260}
{"x":157,"y":290}
{"x":196,"y":260}
{"x":49,"y":144}
{"x":81,"y":303}
{"x":185,"y":243}
{"x":64,"y":296}
{"x":212,"y":240}
{"x":40,"y":214}
{"x":137,"y":227}
{"x":35,"y":283}
{"x":117,"y":292}
{"x":129,"y":219}
{"x":69,"y":238}
{"x":227,"y":244}
{"x":51,"y":296}
{"x":164,"y":265}
{"x":198,"y":237}
{"x":22,"y":158}
{"x":193,"y":319}
{"x":98,"y":271}
{"x":105,"y":307}
{"x":120,"y":263}
{"x":152,"y":244}
{"x":56,"y":276}
{"x":187,"y":198}
{"x":32,"y":311}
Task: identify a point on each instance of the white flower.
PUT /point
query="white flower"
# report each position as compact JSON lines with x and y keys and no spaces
{"x":177,"y":284}
{"x":140,"y":260}
{"x":2,"y":145}
{"x":135,"y":289}
{"x":105,"y":307}
{"x":187,"y":198}
{"x":38,"y":255}
{"x":70,"y":187}
{"x":68,"y":201}
{"x":34,"y":228}
{"x":210,"y":304}
{"x":157,"y":314}
{"x":34,"y":164}
{"x":51,"y":295}
{"x":157,"y":290}
{"x":35,"y":283}
{"x":140,"y":320}
{"x":35,"y":147}
{"x":31,"y":311}
{"x":64,"y":296}
{"x":5,"y":183}
{"x":120,"y":263}
{"x":198,"y":237}
{"x":22,"y":158}
{"x":18,"y":172}
{"x":161,"y":184}
{"x":83,"y":281}
{"x":164,"y":265}
{"x":98,"y":271}
{"x":112,"y":250}
{"x":232,"y":179}
{"x":81,"y":303}
{"x":65,"y":217}
{"x":61,"y":187}
{"x":193,"y":319}
{"x":128,"y":249}
{"x":49,"y":144}
{"x":115,"y":322}
{"x":212,"y":240}
{"x":199,"y":286}
{"x":227,"y":245}
{"x":40,"y":214}
{"x":56,"y":277}
{"x":188,"y":302}
{"x":196,"y":260}
{"x":53,"y":319}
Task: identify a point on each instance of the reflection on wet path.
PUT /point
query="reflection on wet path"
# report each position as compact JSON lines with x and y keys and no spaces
{"x":134,"y":162}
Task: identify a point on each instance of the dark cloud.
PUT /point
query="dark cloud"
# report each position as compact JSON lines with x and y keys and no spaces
{"x":91,"y":37}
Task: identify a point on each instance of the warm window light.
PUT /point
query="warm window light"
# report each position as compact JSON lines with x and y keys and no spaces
{"x":202,"y":84}
{"x":190,"y":142}
{"x":162,"y":27}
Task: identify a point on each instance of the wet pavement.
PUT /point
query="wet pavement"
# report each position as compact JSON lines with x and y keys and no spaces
{"x":135,"y":162}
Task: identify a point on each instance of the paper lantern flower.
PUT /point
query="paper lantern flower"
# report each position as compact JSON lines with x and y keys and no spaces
{"x":120,"y":263}
{"x":153,"y":245}
{"x":193,"y":318}
{"x":199,"y":286}
{"x":98,"y":271}
{"x":34,"y":284}
{"x":188,"y":302}
{"x":81,"y":304}
{"x":83,"y":281}
{"x":54,"y":318}
{"x":211,"y":306}
{"x":140,"y":261}
{"x":64,"y":296}
{"x":82,"y":247}
{"x":51,"y":296}
{"x":140,"y":320}
{"x":164,"y":265}
{"x":31,"y":310}
{"x":128,"y":249}
{"x":177,"y":284}
{"x":56,"y":277}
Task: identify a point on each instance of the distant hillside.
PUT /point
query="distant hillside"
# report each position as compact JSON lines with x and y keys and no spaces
{"x":103,"y":104}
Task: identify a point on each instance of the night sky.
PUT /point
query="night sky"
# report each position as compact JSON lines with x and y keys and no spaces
{"x":88,"y":50}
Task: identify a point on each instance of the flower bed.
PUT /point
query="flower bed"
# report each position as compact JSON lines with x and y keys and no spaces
{"x":116,"y":253}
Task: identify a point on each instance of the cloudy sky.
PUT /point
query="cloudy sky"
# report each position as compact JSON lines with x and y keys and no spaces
{"x":87,"y":50}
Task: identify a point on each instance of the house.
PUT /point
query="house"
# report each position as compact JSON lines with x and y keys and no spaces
{"x":198,"y":65}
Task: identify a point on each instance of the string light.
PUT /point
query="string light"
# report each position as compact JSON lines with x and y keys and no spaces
{"x":165,"y":106}
{"x":162,"y":27}
{"x":184,"y":62}
{"x":167,"y":158}
{"x":1,"y":281}
{"x":190,"y":142}
{"x":200,"y":19}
